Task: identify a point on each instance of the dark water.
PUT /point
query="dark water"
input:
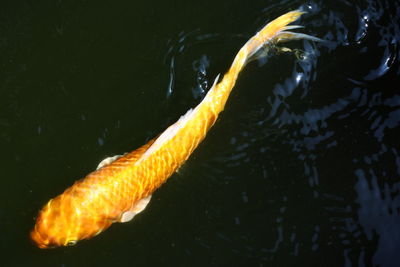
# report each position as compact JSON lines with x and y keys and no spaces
{"x":301,"y":169}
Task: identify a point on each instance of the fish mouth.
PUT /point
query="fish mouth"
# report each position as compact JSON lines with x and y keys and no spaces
{"x":41,"y":241}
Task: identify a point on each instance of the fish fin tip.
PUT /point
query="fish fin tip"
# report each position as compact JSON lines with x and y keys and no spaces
{"x":215,"y":81}
{"x":108,"y":161}
{"x":293,"y":27}
{"x":137,"y":208}
{"x":285,"y":36}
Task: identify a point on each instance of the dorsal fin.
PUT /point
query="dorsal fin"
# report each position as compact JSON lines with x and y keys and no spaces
{"x":167,"y":135}
{"x":173,"y":129}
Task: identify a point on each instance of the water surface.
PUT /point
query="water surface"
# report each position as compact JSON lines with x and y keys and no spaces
{"x":302,"y":168}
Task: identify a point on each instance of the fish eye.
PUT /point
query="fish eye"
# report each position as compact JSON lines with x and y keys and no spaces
{"x":71,"y":242}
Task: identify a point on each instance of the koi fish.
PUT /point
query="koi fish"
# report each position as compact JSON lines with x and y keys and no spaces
{"x":122,"y":186}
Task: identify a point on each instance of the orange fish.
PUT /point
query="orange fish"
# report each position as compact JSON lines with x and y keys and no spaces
{"x":121,"y":187}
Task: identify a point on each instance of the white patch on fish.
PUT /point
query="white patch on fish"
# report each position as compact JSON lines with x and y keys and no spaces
{"x":172,"y":130}
{"x":137,"y":208}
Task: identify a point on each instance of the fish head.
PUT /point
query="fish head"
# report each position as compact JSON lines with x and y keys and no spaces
{"x":64,"y":221}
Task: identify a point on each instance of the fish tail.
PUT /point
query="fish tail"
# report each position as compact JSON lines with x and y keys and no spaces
{"x":257,"y":46}
{"x":277,"y":31}
{"x":274,"y":32}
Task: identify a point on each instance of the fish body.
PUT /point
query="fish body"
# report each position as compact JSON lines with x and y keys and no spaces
{"x":122,"y":188}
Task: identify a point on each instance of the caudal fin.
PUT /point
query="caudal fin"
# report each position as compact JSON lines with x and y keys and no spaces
{"x":274,"y":32}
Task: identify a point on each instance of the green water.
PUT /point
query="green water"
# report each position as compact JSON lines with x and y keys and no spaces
{"x":301,"y":169}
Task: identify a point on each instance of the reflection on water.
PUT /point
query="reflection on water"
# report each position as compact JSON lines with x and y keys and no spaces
{"x":334,"y":142}
{"x":379,"y":214}
{"x":302,"y":168}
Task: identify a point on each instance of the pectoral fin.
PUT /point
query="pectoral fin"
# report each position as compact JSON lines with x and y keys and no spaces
{"x":137,"y":208}
{"x":107,"y":161}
